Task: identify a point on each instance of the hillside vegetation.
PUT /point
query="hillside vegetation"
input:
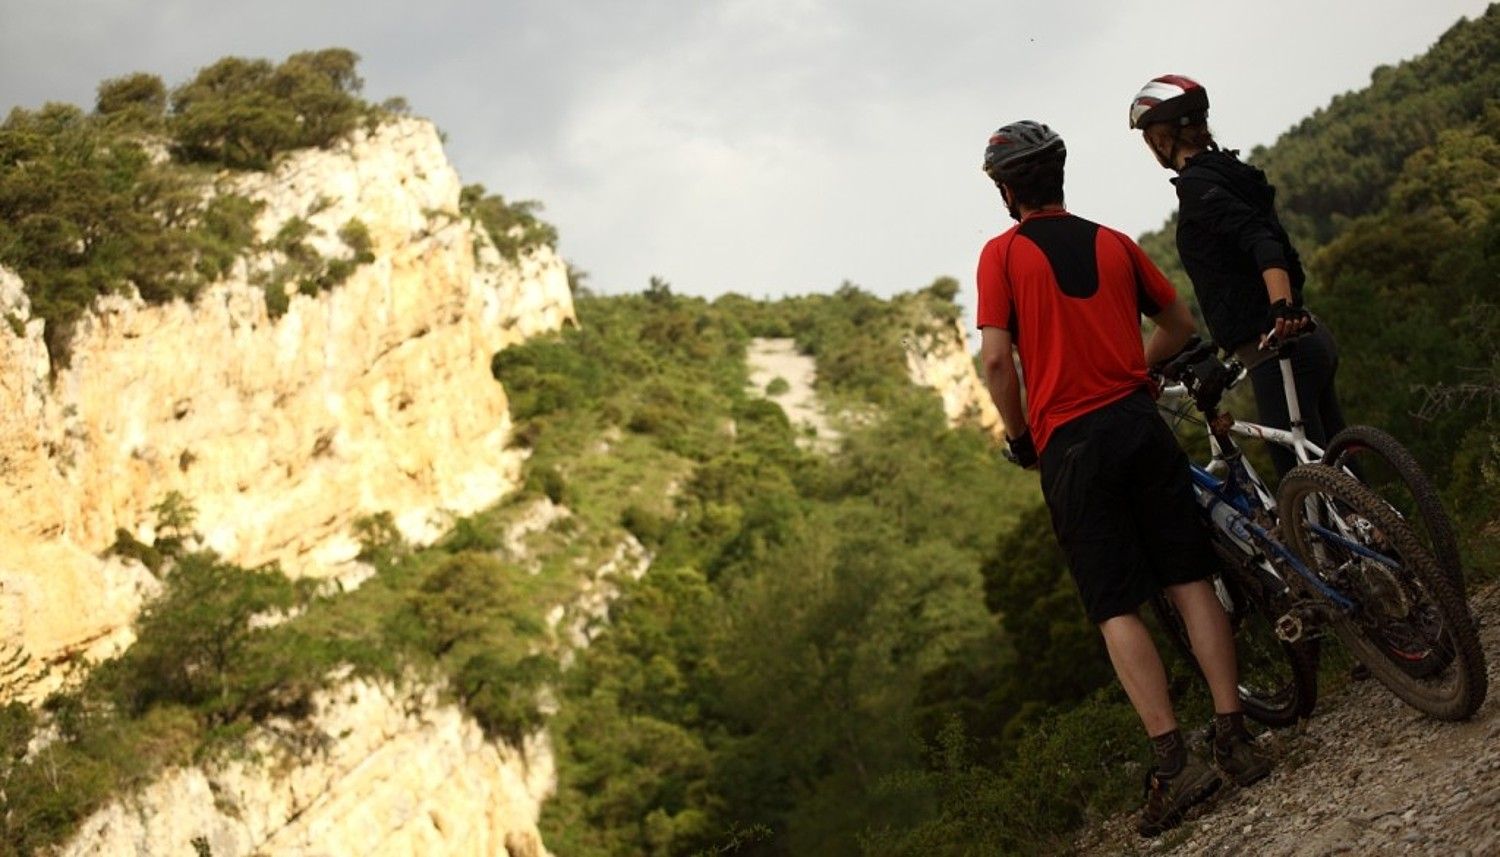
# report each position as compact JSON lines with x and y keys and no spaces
{"x":132,"y":196}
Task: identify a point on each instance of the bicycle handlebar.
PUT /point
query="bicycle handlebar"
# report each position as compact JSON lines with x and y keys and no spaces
{"x":1194,"y":351}
{"x":1202,"y":373}
{"x":1277,"y":345}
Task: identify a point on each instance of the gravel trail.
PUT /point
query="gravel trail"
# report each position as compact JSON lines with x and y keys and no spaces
{"x":1366,"y":775}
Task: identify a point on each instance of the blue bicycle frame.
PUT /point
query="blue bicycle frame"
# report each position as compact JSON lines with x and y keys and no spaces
{"x":1229,"y":508}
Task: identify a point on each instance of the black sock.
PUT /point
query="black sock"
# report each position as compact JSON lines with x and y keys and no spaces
{"x":1171,"y":753}
{"x":1229,"y":726}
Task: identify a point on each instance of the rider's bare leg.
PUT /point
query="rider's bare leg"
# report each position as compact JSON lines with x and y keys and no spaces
{"x":1139,"y":668}
{"x":1213,"y":642}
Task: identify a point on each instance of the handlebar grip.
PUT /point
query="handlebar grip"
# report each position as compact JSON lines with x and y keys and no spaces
{"x":1193,"y":353}
{"x":1275,"y":343}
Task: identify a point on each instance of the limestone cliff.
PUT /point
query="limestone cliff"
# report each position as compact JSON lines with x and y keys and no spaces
{"x":406,"y":775}
{"x":938,"y":357}
{"x":373,"y":396}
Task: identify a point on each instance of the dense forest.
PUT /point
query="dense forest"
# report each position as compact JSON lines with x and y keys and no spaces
{"x":871,"y":651}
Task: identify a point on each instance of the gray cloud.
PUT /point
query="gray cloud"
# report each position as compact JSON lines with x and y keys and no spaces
{"x":764,"y":147}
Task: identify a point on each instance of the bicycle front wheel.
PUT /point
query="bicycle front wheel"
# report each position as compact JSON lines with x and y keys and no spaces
{"x":1378,"y":460}
{"x":1410,"y":625}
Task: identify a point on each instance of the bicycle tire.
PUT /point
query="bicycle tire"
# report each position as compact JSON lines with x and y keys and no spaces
{"x":1373,"y":456}
{"x":1278,"y":680}
{"x":1400,"y":600}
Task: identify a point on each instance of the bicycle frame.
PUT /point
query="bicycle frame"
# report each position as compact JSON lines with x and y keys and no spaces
{"x":1295,"y":440}
{"x":1231,"y":492}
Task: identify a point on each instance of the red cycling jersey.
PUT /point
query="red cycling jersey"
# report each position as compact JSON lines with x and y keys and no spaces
{"x":1071,"y":294}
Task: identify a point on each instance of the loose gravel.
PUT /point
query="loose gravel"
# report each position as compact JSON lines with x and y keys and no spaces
{"x":1365,"y":775}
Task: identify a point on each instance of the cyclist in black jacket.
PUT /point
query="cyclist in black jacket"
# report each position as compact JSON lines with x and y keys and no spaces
{"x":1246,"y":274}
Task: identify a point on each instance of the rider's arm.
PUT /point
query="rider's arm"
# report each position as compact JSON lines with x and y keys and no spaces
{"x":1278,"y":284}
{"x":1223,"y":212}
{"x":1001,"y":378}
{"x":1174,"y":327}
{"x":1158,"y":301}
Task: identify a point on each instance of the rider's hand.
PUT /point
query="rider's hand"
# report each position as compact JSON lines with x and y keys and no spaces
{"x":1154,"y":383}
{"x":1284,"y":321}
{"x":1021,"y":450}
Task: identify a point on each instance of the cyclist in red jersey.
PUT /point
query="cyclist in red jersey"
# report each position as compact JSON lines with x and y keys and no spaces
{"x":1068,"y":294}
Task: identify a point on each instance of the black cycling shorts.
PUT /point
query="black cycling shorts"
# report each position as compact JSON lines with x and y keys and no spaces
{"x":1121,"y":497}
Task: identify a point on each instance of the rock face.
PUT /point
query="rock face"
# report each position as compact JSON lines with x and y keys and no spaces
{"x":375,"y":395}
{"x":939,"y":358}
{"x":772,"y":358}
{"x":409,"y":776}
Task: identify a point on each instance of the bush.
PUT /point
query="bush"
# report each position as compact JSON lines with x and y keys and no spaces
{"x":195,"y":644}
{"x":512,"y":227}
{"x":303,"y":266}
{"x":380,"y":542}
{"x":1083,"y":764}
{"x":137,"y":100}
{"x":242,"y":113}
{"x":647,"y":526}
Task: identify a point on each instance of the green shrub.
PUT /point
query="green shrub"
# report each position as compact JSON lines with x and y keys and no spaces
{"x":1081,"y":765}
{"x":380,"y":541}
{"x":196,"y":642}
{"x":242,"y":113}
{"x":303,"y":267}
{"x":512,"y":227}
{"x":137,"y":101}
{"x":778,"y":387}
{"x":647,"y":526}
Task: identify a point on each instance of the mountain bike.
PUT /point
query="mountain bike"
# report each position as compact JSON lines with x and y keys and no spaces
{"x":1325,"y":552}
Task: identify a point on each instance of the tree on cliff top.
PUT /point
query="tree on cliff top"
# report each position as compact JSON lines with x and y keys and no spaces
{"x":241,"y":112}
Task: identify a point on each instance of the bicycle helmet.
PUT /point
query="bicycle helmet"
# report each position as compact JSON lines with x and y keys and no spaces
{"x":1020,"y":143}
{"x":1169,"y":98}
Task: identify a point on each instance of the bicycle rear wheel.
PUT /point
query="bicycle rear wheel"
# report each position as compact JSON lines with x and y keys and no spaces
{"x":1378,"y":460}
{"x":1278,"y":681}
{"x":1411,"y":626}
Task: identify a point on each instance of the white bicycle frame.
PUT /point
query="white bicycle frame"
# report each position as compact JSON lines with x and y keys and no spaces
{"x":1294,"y":439}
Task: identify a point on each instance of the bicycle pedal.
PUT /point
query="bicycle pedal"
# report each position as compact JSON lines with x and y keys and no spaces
{"x":1289,"y":628}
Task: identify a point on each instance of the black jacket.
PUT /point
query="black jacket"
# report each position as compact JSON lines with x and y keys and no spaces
{"x":1227,"y":234}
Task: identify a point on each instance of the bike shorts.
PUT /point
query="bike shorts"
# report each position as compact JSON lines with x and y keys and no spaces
{"x":1121,"y":497}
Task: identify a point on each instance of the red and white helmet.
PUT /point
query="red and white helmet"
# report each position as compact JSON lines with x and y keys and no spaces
{"x":1171,"y":97}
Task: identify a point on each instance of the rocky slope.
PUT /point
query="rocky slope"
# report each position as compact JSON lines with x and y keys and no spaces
{"x":373,"y":396}
{"x":1366,"y":775}
{"x":282,"y":429}
{"x":403,"y":775}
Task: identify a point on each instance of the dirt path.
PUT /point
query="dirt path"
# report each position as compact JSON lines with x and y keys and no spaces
{"x":1367,"y":775}
{"x":770,"y":359}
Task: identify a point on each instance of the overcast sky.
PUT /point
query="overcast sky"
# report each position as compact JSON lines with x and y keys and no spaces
{"x":763,"y":146}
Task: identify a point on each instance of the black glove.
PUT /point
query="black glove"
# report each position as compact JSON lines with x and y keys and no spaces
{"x":1021,"y":450}
{"x":1283,"y":309}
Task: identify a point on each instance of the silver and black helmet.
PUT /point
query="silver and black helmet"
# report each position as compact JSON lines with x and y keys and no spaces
{"x":1020,"y":143}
